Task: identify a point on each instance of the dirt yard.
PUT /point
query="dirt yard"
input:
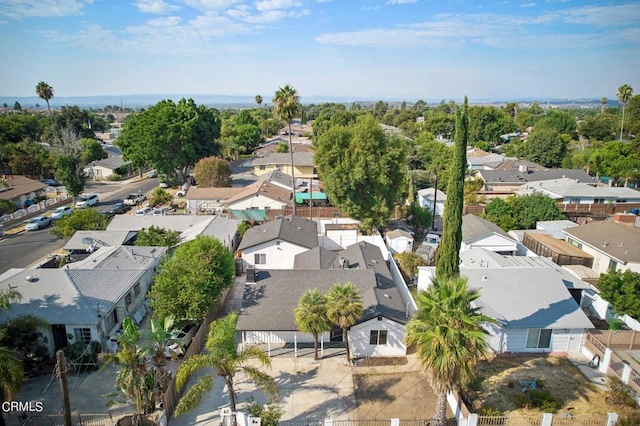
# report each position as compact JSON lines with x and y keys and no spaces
{"x":500,"y":385}
{"x":393,"y":389}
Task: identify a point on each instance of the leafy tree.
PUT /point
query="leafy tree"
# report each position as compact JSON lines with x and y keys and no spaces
{"x":601,"y":127}
{"x":21,"y":334}
{"x":91,"y":151}
{"x":311,"y":316}
{"x":242,"y":229}
{"x":546,"y":147}
{"x":487,"y":123}
{"x":7,"y":297}
{"x":449,"y":337}
{"x":259,"y":100}
{"x":500,"y":212}
{"x":77,"y":121}
{"x":11,"y":369}
{"x":440,"y":123}
{"x":622,"y":290}
{"x":213,"y":172}
{"x":344,"y":309}
{"x":17,"y":106}
{"x":409,"y":262}
{"x":282,"y":148}
{"x":560,"y":121}
{"x":159,"y":237}
{"x":270,"y":126}
{"x":46,"y":93}
{"x":363,"y":169}
{"x":287,"y":106}
{"x":632,"y":114}
{"x":448,"y":253}
{"x":522,"y":212}
{"x":617,"y":160}
{"x":70,"y":173}
{"x":158,"y":197}
{"x":603,"y":101}
{"x":171,"y":137}
{"x":419,"y":216}
{"x":625,"y":92}
{"x":190,"y":282}
{"x":15,"y":128}
{"x":227,"y":361}
{"x":80,"y":220}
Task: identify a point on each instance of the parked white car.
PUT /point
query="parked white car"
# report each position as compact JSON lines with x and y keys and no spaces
{"x":86,"y":200}
{"x":133,"y":199}
{"x":61,"y":212}
{"x":38,"y":222}
{"x":144,"y":211}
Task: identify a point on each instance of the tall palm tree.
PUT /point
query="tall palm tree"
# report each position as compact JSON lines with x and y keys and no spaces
{"x":45,"y":92}
{"x":259,"y":100}
{"x":224,"y":357}
{"x":287,"y":105}
{"x":157,"y":339}
{"x":603,"y":101}
{"x":448,"y":336}
{"x":311,"y":315}
{"x":625,"y":92}
{"x":344,"y":309}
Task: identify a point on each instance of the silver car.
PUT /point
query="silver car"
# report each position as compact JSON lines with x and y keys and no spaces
{"x":38,"y":222}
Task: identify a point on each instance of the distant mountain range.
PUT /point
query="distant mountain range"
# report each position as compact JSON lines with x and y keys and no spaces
{"x":225,"y":101}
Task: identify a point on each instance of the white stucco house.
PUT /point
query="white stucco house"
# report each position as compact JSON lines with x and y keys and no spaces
{"x":480,"y":233}
{"x":530,"y":298}
{"x":379,"y":332}
{"x":274,"y":244}
{"x":399,"y":241}
{"x":573,"y":191}
{"x":261,"y":195}
{"x":87,"y":300}
{"x":426,"y":199}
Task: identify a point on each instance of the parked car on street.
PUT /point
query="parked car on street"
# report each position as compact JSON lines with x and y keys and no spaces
{"x":152,"y":174}
{"x":86,"y":200}
{"x":134,"y":199}
{"x":61,"y":212}
{"x":119,"y":208}
{"x":51,"y":182}
{"x":144,"y":211}
{"x":38,"y":222}
{"x":160,"y":211}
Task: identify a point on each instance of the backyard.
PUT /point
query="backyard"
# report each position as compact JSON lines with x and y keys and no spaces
{"x":501,"y":383}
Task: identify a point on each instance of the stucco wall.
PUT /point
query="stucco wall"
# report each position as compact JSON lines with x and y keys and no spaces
{"x":277,"y":256}
{"x":359,"y":338}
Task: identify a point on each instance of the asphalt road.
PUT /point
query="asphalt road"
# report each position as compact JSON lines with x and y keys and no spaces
{"x":27,"y":248}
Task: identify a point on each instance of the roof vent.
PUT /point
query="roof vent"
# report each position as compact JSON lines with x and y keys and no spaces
{"x":605,"y":244}
{"x":29,"y":278}
{"x":484,"y":278}
{"x":387,"y":296}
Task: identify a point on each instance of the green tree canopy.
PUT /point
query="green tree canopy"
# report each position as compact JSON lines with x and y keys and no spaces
{"x":409,"y":262}
{"x":344,"y":309}
{"x":363,"y":169}
{"x":159,"y":237}
{"x":69,"y":171}
{"x":171,"y":137}
{"x":311,"y":316}
{"x":213,"y":172}
{"x":190,"y":282}
{"x":600,"y":127}
{"x":622,"y":290}
{"x":88,"y":219}
{"x":522,"y":212}
{"x":487,"y":123}
{"x":546,"y":147}
{"x":91,"y":151}
{"x":560,"y":121}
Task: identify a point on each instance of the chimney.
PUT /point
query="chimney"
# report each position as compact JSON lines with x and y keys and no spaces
{"x":625,"y":218}
{"x":251,"y":274}
{"x":522,"y":168}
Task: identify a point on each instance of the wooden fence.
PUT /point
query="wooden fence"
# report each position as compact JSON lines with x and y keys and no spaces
{"x":604,"y":209}
{"x":172,"y":395}
{"x":617,"y":339}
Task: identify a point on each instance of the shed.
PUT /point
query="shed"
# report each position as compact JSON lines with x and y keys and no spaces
{"x":560,"y":251}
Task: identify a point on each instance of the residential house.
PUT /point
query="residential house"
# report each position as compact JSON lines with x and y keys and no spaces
{"x":271,"y":147}
{"x":399,"y":241}
{"x":502,"y":183}
{"x":480,"y":233}
{"x":85,"y":301}
{"x":530,"y":298}
{"x":303,"y":164}
{"x":572,"y":191}
{"x":379,"y":332}
{"x":427,"y":196}
{"x":261,"y":195}
{"x":86,"y":241}
{"x":274,"y":244}
{"x":555,"y":227}
{"x":20,"y":190}
{"x":513,"y":164}
{"x":477,"y":158}
{"x":102,"y":169}
{"x":209,"y":200}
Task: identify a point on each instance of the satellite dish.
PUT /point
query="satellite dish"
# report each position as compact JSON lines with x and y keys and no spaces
{"x":87,"y":241}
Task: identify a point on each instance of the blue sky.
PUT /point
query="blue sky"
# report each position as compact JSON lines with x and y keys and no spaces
{"x":373,"y":49}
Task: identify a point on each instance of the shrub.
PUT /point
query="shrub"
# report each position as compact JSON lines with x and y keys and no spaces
{"x":242,"y":228}
{"x":632,"y":419}
{"x":488,"y":410}
{"x":620,"y":393}
{"x":159,"y":196}
{"x":81,"y":353}
{"x":269,"y":414}
{"x":538,"y":398}
{"x":114,"y":177}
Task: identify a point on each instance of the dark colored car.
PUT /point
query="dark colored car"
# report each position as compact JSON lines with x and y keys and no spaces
{"x":119,"y":208}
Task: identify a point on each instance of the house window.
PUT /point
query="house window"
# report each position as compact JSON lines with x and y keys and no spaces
{"x":111,"y":320}
{"x":277,"y":242}
{"x":538,"y":338}
{"x":128,"y":299}
{"x":315,"y":170}
{"x":82,"y":335}
{"x":260,"y":258}
{"x":262,"y":166}
{"x":378,"y":337}
{"x":612,"y":265}
{"x":136,"y":289}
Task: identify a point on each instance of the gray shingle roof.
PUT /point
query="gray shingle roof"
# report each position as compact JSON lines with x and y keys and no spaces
{"x":538,"y":298}
{"x":512,"y":176}
{"x":121,"y":258}
{"x":294,"y":229}
{"x":299,"y":159}
{"x":278,"y":178}
{"x":474,"y":227}
{"x":180,"y":223}
{"x":110,"y":238}
{"x":316,"y":258}
{"x":622,"y":242}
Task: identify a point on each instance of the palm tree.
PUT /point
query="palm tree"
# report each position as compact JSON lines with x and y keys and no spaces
{"x":11,"y":369}
{"x":7,"y":297}
{"x":344,"y":309}
{"x":448,"y":336}
{"x":311,"y":316}
{"x":287,"y":105}
{"x":158,"y":338}
{"x":259,"y":101}
{"x":625,"y":92}
{"x":45,"y":92}
{"x":224,"y":357}
{"x":603,"y":101}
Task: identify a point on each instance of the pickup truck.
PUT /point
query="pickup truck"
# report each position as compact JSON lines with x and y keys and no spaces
{"x":134,"y":199}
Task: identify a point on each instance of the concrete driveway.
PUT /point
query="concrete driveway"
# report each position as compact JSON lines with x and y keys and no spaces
{"x":308,"y":391}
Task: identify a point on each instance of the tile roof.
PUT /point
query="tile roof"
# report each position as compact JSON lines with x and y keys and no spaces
{"x":17,"y":186}
{"x":299,"y":159}
{"x":294,"y":229}
{"x":474,"y":227}
{"x":195,"y":193}
{"x":621,"y":242}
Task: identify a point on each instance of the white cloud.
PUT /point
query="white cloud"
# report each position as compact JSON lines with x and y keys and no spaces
{"x":159,"y":7}
{"x":528,"y":5}
{"x":41,"y":8}
{"x":401,"y":1}
{"x":265,"y":5}
{"x":207,"y":5}
{"x":600,"y":16}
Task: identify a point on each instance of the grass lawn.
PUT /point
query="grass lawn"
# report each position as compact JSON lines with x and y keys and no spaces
{"x":499,"y":385}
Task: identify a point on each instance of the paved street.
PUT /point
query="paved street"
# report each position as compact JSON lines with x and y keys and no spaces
{"x":24,"y":249}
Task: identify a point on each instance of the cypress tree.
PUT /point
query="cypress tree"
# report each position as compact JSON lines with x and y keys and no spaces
{"x":448,"y":254}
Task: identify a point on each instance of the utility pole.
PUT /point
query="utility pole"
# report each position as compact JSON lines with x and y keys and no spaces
{"x":64,"y":387}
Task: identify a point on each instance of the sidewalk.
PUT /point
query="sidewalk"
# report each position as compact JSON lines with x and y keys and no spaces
{"x":593,"y":374}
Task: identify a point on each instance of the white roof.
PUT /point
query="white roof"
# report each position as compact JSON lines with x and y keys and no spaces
{"x":571,"y":188}
{"x":428,"y":194}
{"x":121,"y":257}
{"x":217,"y":226}
{"x":178,"y":223}
{"x":103,"y":239}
